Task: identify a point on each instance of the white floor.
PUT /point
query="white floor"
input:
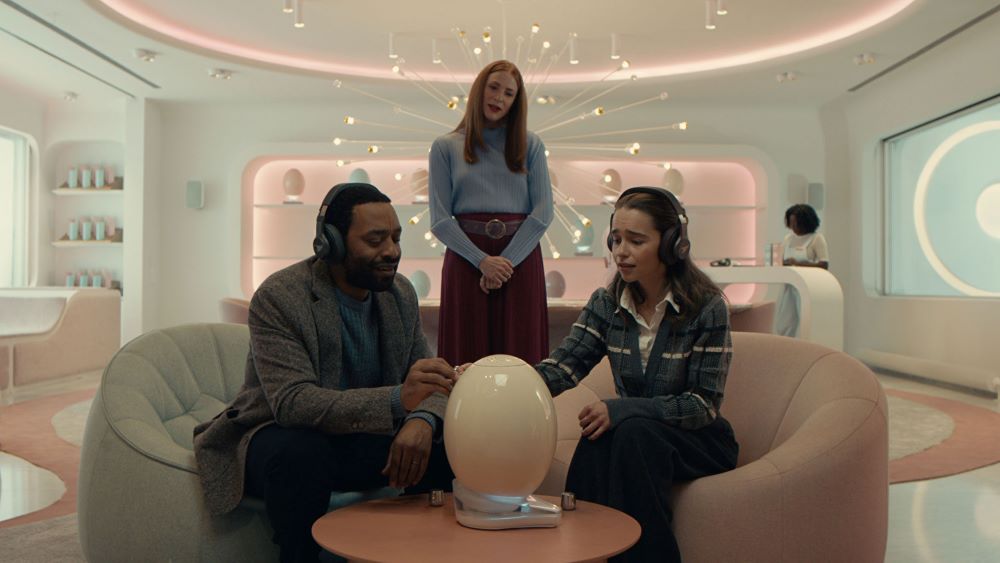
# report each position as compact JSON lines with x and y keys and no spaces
{"x":953,"y":519}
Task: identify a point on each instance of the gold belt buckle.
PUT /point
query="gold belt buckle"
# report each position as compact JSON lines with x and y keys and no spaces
{"x":496,"y":228}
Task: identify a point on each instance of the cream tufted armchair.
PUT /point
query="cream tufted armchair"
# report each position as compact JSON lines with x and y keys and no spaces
{"x":139,"y":495}
{"x":812,"y":480}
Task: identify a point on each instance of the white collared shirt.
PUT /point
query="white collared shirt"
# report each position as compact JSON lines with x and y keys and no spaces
{"x":647,"y":331}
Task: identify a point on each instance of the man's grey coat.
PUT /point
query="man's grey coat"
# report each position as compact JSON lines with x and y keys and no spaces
{"x":293,"y":371}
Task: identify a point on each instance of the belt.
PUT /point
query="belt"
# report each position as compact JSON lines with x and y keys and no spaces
{"x":494,"y":228}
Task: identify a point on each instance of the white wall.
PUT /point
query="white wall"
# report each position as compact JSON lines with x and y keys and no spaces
{"x":200,"y":249}
{"x":951,"y":339}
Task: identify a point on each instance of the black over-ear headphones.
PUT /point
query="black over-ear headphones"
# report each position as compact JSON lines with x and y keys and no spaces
{"x":674,"y":243}
{"x":329,"y":243}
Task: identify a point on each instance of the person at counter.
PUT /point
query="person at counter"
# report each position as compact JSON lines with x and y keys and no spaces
{"x":803,"y":246}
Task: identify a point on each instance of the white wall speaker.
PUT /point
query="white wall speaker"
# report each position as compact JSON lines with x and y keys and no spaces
{"x":194,"y":196}
{"x":816,"y":195}
{"x":797,"y":188}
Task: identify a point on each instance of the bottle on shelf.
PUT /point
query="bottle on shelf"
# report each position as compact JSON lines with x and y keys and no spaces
{"x":70,"y":279}
{"x":85,"y":175}
{"x":86,"y":228}
{"x":72,"y":178}
{"x":73,"y":231}
{"x":99,"y":229}
{"x":99,"y":176}
{"x":109,"y":227}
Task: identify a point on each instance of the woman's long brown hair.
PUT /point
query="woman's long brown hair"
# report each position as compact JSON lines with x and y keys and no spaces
{"x":692,"y":289}
{"x":516,"y":120}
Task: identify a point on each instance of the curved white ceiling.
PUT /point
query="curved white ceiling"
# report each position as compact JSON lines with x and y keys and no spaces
{"x":352,"y":38}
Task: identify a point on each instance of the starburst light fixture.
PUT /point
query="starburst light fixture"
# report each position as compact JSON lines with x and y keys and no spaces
{"x":536,"y":57}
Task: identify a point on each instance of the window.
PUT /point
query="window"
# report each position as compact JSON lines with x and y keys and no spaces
{"x":14,"y":166}
{"x":942,"y":206}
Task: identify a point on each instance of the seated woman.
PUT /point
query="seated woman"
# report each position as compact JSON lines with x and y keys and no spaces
{"x":665,"y":328}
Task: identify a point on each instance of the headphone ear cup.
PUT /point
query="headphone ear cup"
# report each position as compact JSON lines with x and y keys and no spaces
{"x":337,"y":250}
{"x":321,"y":248}
{"x":611,"y":241}
{"x":667,"y":247}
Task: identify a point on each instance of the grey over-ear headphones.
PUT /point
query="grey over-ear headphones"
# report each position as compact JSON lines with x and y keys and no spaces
{"x":329,"y":243}
{"x":674,"y":243}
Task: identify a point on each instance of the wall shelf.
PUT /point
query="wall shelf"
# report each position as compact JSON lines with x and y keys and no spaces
{"x":84,"y":243}
{"x":86,"y":191}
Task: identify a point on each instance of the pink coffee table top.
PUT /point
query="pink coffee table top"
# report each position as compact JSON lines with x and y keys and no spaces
{"x":409,"y":529}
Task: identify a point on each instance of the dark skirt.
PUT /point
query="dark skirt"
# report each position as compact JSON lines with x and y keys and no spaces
{"x":511,"y":320}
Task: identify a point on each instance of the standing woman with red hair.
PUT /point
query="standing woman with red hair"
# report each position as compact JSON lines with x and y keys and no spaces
{"x":490,"y":204}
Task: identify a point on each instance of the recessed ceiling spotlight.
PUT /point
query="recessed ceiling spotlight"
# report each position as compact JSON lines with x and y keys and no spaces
{"x":298,"y":20}
{"x":786,"y":76}
{"x":70,"y":96}
{"x":286,"y":6}
{"x":145,"y":55}
{"x":220,"y":73}
{"x":545,"y":100}
{"x":864,"y":59}
{"x":721,"y":8}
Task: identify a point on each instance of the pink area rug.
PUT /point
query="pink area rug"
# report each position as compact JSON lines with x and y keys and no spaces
{"x":972,"y":445}
{"x":26,"y":431}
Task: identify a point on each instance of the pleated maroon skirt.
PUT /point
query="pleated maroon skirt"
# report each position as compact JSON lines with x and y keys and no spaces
{"x":511,"y":320}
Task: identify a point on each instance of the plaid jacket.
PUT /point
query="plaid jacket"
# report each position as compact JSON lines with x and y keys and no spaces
{"x":684,"y":378}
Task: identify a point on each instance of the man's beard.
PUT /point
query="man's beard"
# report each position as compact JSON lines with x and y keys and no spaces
{"x":362,"y":274}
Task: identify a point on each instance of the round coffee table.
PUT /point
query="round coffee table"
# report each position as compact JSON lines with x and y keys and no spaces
{"x":409,"y":529}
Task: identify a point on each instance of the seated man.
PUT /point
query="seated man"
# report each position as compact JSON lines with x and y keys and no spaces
{"x":339,"y":392}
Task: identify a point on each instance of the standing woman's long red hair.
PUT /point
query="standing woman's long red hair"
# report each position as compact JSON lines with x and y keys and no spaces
{"x":516,"y":120}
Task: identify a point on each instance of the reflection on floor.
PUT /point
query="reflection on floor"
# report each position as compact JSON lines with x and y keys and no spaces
{"x":942,"y":520}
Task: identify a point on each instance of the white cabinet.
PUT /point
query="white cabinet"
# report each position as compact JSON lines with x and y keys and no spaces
{"x":82,"y":217}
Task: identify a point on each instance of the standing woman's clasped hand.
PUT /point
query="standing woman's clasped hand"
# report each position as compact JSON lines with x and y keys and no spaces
{"x":496,"y":270}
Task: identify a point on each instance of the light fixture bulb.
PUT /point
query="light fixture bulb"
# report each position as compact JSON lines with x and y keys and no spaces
{"x":415,"y":219}
{"x":586,"y":221}
{"x":633,"y":149}
{"x":373,"y":149}
{"x":546,"y":45}
{"x":683,"y":125}
{"x":435,"y":54}
{"x":599,"y":111}
{"x":555,"y":254}
{"x":607,"y":178}
{"x":710,"y":9}
{"x":392,"y":46}
{"x":572,"y":50}
{"x":452,"y":104}
{"x":486,"y":35}
{"x":547,"y":153}
{"x":666,"y":166}
{"x":398,"y":176}
{"x":286,"y":6}
{"x":625,"y":64}
{"x":535,"y":28}
{"x":720,"y":8}
{"x":395,"y":69}
{"x":428,"y":235}
{"x":340,"y":163}
{"x":478,"y":51}
{"x":614,"y":47}
{"x":298,"y":20}
{"x":337,"y":141}
{"x":348,"y":120}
